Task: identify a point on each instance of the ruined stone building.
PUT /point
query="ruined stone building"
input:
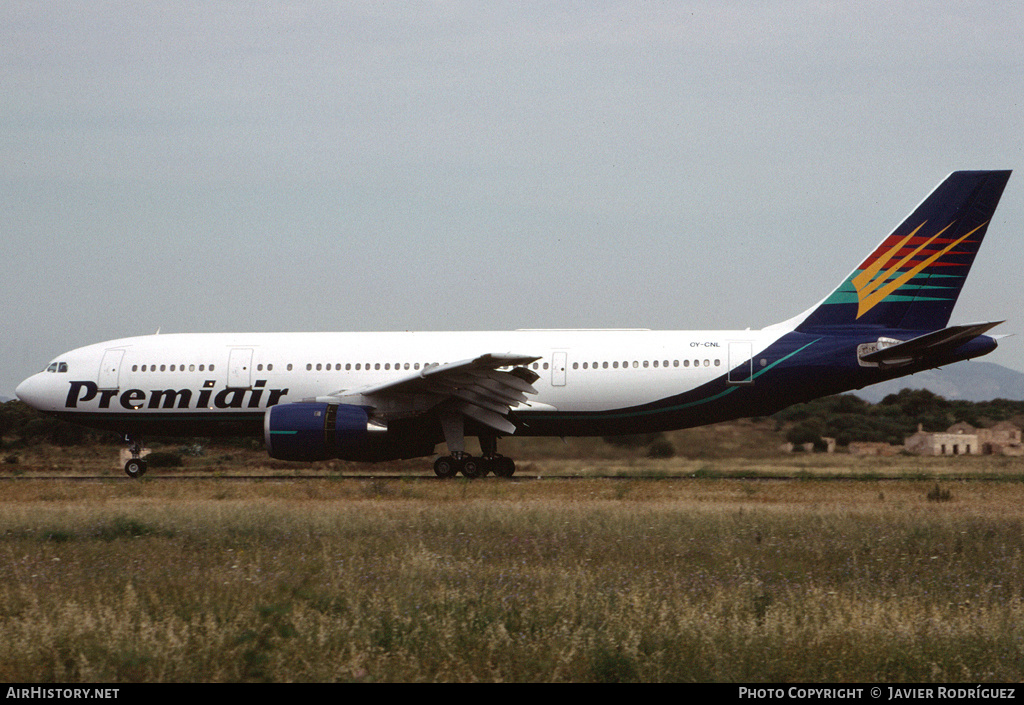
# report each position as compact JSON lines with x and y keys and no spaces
{"x":963,"y":439}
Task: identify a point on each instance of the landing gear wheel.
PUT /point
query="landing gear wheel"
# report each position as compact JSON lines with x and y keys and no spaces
{"x":135,"y":468}
{"x":445,"y":467}
{"x":504,"y":467}
{"x":472,"y":468}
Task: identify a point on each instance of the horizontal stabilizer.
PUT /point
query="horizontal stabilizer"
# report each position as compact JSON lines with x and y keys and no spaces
{"x":890,"y":352}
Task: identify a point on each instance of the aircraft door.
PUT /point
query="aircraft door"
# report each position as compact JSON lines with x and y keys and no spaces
{"x":558,"y":363}
{"x":240,"y":368}
{"x":741,"y":363}
{"x":110,"y":370}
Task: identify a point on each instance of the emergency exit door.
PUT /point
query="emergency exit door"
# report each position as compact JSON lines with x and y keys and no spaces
{"x":741,"y":363}
{"x":558,"y":363}
{"x":110,"y":370}
{"x":240,"y":368}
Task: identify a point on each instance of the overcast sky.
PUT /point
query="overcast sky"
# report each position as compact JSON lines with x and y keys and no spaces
{"x":219,"y":166}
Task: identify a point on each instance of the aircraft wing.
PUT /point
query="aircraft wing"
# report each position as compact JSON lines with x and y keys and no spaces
{"x":477,"y":387}
{"x":897,"y":352}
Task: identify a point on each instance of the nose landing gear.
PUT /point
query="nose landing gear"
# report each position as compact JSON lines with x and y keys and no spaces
{"x":137,"y":466}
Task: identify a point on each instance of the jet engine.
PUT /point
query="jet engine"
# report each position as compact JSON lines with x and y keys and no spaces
{"x":316,"y":431}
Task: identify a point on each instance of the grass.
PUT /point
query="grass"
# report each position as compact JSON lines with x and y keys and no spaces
{"x":632,"y":579}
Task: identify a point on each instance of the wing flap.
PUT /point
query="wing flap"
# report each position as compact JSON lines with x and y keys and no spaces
{"x":488,"y":418}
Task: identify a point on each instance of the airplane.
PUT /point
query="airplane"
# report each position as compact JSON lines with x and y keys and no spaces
{"x":395,"y":395}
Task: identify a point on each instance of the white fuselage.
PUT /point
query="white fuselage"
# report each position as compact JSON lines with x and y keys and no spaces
{"x":579,"y":370}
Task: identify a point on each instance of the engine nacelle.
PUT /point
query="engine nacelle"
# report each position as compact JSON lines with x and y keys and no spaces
{"x":316,"y":431}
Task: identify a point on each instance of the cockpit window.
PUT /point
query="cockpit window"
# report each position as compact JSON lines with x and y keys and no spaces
{"x":57,"y":367}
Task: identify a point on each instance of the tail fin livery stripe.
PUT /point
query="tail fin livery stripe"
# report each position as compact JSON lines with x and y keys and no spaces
{"x":871,"y":290}
{"x":914,"y":277}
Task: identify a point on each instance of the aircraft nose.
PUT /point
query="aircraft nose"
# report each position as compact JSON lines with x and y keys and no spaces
{"x":31,"y":391}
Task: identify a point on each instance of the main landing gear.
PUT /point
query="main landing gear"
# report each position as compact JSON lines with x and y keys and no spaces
{"x":137,"y":466}
{"x":450,"y":465}
{"x":490,"y":461}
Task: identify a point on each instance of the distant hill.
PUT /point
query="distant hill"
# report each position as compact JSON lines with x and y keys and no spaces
{"x":967,"y":381}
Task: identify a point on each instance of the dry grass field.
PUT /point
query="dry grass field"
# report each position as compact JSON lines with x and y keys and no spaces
{"x":673,"y":572}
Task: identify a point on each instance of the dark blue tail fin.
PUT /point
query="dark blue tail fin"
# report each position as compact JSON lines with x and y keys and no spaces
{"x":913,"y":278}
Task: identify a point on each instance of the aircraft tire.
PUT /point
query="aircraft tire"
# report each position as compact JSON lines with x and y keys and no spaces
{"x":472,"y":468}
{"x":445,"y":467}
{"x":504,"y":467}
{"x":135,"y":468}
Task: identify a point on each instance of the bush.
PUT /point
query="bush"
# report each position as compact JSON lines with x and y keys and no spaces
{"x":635,"y":441}
{"x":939,"y":495}
{"x":193,"y":450}
{"x":808,"y":431}
{"x":163,"y":459}
{"x":661,"y":448}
